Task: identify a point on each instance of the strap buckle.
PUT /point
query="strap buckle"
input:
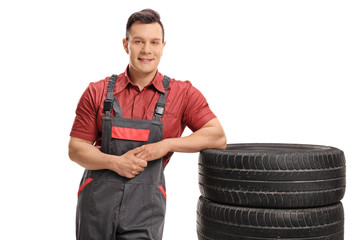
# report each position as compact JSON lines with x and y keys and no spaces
{"x":108,"y":105}
{"x":160,"y":108}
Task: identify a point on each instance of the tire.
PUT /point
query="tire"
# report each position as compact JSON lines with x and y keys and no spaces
{"x":273,"y":175}
{"x":220,"y":222}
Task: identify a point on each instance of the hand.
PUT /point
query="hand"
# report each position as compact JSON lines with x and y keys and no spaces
{"x":153,"y":151}
{"x":129,"y":165}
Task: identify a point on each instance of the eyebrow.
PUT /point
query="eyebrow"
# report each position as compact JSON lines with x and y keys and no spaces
{"x":158,"y":39}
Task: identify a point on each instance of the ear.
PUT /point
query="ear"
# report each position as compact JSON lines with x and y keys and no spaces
{"x":162,"y":49}
{"x":126,"y":45}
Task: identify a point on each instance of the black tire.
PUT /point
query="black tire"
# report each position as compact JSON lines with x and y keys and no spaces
{"x":273,"y":175}
{"x":223,"y":222}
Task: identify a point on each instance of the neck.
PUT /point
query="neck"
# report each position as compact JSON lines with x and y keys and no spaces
{"x":140,"y":79}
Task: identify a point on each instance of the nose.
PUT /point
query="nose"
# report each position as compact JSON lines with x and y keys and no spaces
{"x":146,"y":48}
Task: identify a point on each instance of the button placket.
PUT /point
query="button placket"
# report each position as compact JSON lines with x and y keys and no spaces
{"x":136,"y":105}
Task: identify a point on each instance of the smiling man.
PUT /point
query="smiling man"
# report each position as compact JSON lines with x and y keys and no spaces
{"x":145,"y":47}
{"x":127,"y":126}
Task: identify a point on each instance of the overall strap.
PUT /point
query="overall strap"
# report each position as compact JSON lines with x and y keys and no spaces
{"x":160,"y":105}
{"x":109,"y":103}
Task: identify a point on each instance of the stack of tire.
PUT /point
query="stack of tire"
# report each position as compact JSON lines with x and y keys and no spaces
{"x":271,"y":191}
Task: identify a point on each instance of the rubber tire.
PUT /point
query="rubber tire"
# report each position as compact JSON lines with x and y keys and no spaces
{"x":273,"y":175}
{"x":218,"y":222}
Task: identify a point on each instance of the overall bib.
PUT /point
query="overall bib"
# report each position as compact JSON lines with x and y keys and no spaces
{"x":112,"y":207}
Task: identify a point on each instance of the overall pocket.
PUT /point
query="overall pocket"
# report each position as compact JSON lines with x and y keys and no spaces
{"x":159,"y":210}
{"x":84,"y":183}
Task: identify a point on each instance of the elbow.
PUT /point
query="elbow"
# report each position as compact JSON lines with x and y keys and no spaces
{"x":72,"y":150}
{"x":71,"y":153}
{"x":222,"y":142}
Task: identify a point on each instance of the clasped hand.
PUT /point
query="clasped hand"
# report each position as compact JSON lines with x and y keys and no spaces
{"x":135,"y":161}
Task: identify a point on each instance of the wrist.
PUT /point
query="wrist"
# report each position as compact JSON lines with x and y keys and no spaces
{"x":109,"y":162}
{"x":169,"y":144}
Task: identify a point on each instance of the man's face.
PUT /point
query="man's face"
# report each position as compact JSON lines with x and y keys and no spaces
{"x":145,"y":47}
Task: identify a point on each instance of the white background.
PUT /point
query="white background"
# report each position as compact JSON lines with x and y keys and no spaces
{"x":272,"y":71}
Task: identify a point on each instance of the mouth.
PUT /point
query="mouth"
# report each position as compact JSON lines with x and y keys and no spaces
{"x":145,"y":60}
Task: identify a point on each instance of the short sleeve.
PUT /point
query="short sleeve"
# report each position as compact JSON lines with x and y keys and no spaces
{"x":85,"y":123}
{"x":197,"y":111}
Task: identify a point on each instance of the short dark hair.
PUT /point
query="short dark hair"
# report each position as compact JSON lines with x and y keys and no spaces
{"x":145,"y":16}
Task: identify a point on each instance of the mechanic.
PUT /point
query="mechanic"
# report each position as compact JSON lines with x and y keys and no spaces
{"x":126,"y":128}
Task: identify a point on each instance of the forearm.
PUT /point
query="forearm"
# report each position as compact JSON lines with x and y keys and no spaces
{"x":87,"y":155}
{"x":211,"y":135}
{"x":90,"y":157}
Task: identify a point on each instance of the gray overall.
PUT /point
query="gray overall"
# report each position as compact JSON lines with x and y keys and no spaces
{"x":112,"y":207}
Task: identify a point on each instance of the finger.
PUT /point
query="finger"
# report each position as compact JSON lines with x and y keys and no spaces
{"x":142,"y":153}
{"x":137,"y":150}
{"x":143,"y":164}
{"x":139,"y":169}
{"x":130,"y":175}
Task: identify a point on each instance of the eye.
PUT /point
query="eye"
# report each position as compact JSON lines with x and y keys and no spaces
{"x":155,"y":42}
{"x":138,"y":41}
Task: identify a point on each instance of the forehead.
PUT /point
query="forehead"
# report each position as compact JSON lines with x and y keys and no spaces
{"x":146,"y":30}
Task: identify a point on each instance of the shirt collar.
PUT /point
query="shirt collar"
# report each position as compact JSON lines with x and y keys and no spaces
{"x":124,"y":81}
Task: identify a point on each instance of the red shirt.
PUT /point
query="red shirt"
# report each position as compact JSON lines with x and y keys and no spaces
{"x":184,"y":106}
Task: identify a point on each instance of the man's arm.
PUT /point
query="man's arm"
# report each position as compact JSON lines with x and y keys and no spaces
{"x":211,"y":135}
{"x":90,"y":157}
{"x":130,"y":164}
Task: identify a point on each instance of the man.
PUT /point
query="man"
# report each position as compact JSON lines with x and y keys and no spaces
{"x":137,"y":118}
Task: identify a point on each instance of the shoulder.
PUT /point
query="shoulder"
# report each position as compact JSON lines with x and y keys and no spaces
{"x":99,"y":85}
{"x":174,"y":83}
{"x":95,"y":94}
{"x":185,"y":88}
{"x":99,"y":88}
{"x":180,"y":86}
